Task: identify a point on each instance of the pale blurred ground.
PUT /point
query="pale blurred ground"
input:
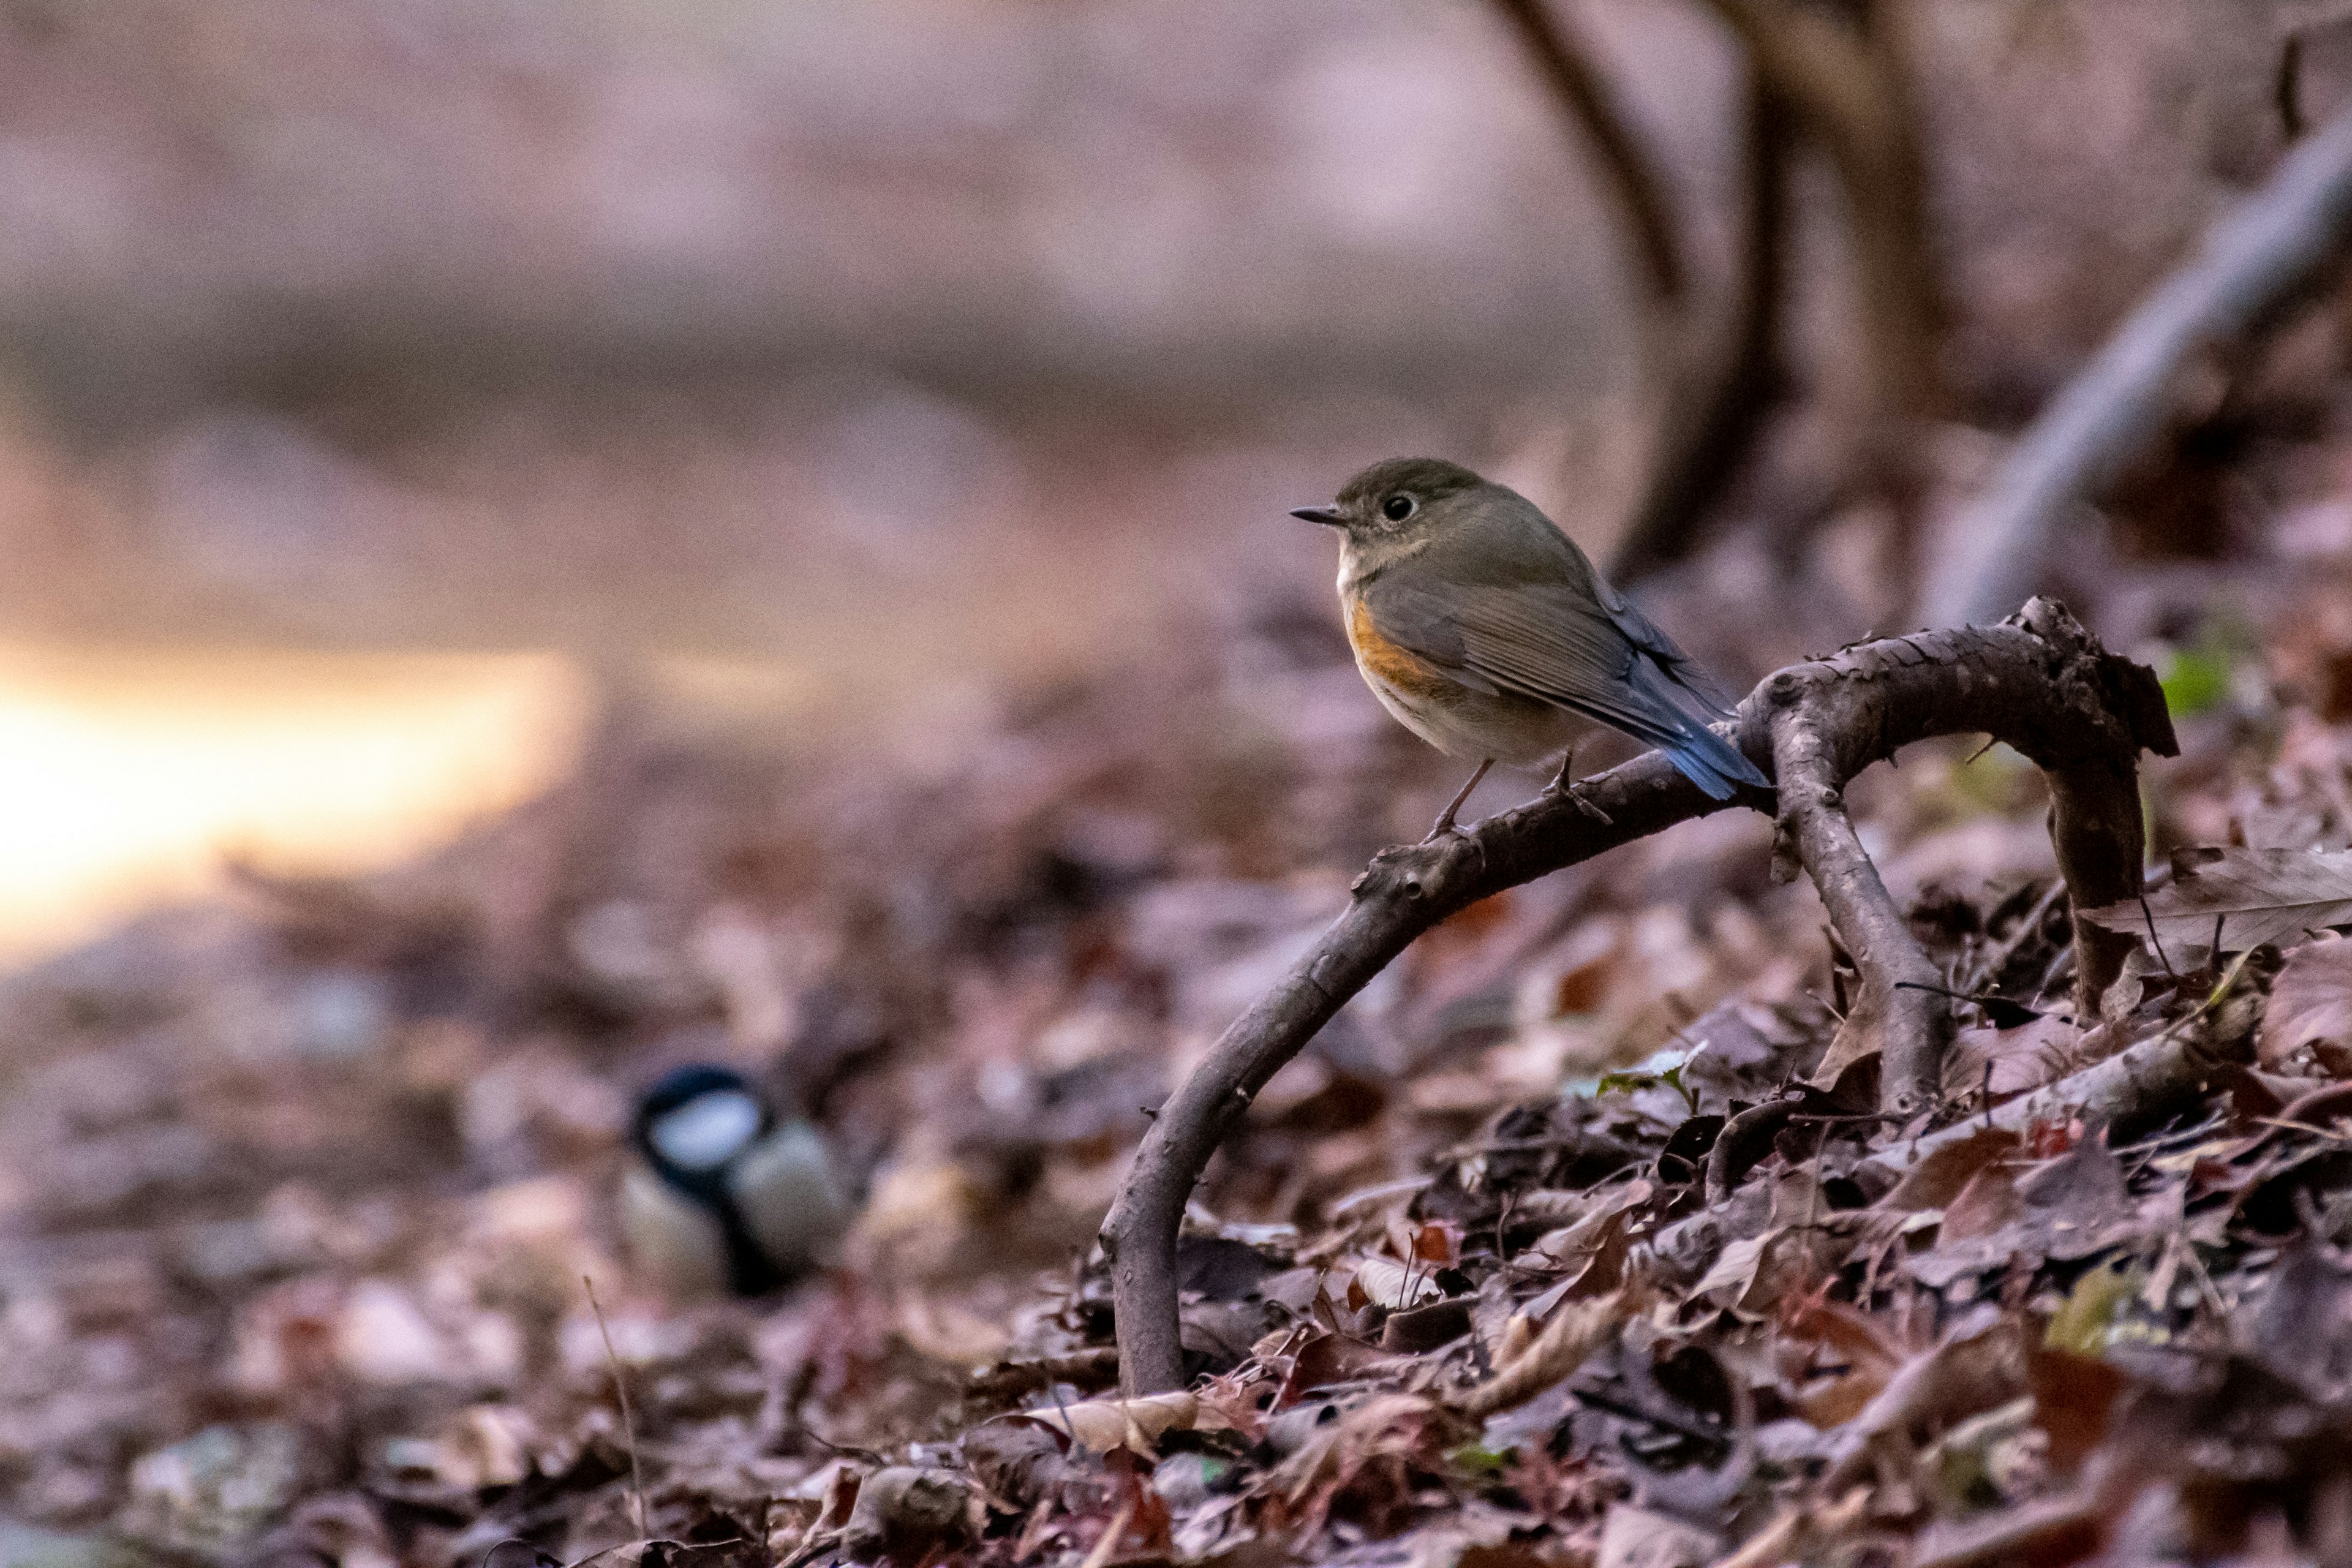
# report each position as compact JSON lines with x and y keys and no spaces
{"x":126,"y":776}
{"x":371,"y":375}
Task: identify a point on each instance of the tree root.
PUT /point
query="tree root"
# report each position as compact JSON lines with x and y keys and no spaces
{"x":2037,"y":681}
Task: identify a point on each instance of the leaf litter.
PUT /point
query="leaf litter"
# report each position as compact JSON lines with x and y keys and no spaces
{"x":1568,"y":1242}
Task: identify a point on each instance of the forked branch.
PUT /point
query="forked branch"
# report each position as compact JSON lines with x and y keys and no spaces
{"x":2037,"y":681}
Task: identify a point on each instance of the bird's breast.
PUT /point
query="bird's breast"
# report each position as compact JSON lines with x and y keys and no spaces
{"x":679,"y":1246}
{"x":1402,"y":670}
{"x":1458,"y":719}
{"x":790,"y":1198}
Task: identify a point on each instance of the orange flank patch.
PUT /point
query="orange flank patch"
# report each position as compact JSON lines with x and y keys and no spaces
{"x":1407,"y":672}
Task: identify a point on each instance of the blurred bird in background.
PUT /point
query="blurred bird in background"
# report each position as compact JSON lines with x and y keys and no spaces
{"x":1483,"y":630}
{"x":724,"y":1196}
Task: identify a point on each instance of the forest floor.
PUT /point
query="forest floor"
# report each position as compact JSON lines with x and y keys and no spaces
{"x":304,"y":1189}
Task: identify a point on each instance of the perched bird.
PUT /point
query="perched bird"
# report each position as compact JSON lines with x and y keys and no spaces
{"x":1483,"y":630}
{"x":723,"y":1196}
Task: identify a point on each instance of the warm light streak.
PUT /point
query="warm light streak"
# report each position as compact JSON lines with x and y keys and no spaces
{"x":126,"y":776}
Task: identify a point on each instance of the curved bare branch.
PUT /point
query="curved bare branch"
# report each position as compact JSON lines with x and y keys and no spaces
{"x":2037,"y":681}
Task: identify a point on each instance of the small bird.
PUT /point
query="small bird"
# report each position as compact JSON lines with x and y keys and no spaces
{"x":724,"y":1197}
{"x":1483,"y":630}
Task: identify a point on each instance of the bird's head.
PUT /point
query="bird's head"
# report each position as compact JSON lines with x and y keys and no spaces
{"x":695,"y":1119}
{"x":1399,"y":501}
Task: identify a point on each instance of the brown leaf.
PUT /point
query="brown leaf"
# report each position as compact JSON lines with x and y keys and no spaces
{"x":1594,"y":1248}
{"x":1636,"y":1537}
{"x":1965,"y":1375}
{"x":2254,"y":895}
{"x":904,"y":1512}
{"x":2078,"y":1201}
{"x":2072,"y":1399}
{"x":1323,"y":1360}
{"x":1799,"y":1533}
{"x":2311,"y":1004}
{"x":1368,"y":1457}
{"x":1015,"y":1460}
{"x":1946,"y":1170}
{"x":1794,"y":1259}
{"x":1867,"y":1353}
{"x":1388,"y":1283}
{"x":1425,"y":1328}
{"x":1988,"y":1202}
{"x":1566,"y":1343}
{"x":1102,"y":1425}
{"x":2299,"y":1328}
{"x":2046,"y":1532}
{"x":2010,"y":1061}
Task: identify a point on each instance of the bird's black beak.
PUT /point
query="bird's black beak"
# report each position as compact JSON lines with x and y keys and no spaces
{"x":1330,"y":516}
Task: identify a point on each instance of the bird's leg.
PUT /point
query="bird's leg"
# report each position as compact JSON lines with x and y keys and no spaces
{"x":1567,"y":786}
{"x":1445,"y":818}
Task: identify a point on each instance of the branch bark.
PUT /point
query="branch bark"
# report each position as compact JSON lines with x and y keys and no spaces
{"x":2258,"y":257}
{"x":2037,"y":681}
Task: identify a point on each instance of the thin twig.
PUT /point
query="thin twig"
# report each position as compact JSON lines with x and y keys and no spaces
{"x":2153,"y":940}
{"x":628,"y":1418}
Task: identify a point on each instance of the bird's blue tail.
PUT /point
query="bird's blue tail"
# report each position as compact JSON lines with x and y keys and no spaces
{"x":1713,"y":763}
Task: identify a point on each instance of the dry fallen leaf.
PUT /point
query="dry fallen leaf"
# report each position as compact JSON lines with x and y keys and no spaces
{"x":1638,"y":1538}
{"x":1390,"y":1284}
{"x":2311,"y":1005}
{"x":1099,"y":1425}
{"x":2010,"y":1061}
{"x":1939,"y":1178}
{"x":2248,"y":896}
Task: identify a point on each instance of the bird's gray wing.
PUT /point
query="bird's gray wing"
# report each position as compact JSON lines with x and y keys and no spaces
{"x":1646,"y":635}
{"x":1532,"y":641}
{"x":1520,"y":609}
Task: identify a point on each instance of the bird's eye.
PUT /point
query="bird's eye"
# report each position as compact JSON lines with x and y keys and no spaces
{"x":1396,"y":509}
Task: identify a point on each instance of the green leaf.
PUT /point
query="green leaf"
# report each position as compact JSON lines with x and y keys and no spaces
{"x":2085,"y":1321}
{"x":1474,"y":1459}
{"x":1627,"y":1080}
{"x":2196,"y":679}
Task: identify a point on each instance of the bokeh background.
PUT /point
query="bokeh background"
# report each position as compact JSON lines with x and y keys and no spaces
{"x":383,"y":381}
{"x":540,"y":538}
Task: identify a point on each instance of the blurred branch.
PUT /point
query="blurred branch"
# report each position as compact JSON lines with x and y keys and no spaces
{"x":2257,"y":259}
{"x":1714,"y":402}
{"x":2286,"y":88}
{"x":1849,"y":89}
{"x":1846,"y":88}
{"x":1713,"y":415}
{"x":1585,"y":100}
{"x":2038,"y":681}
